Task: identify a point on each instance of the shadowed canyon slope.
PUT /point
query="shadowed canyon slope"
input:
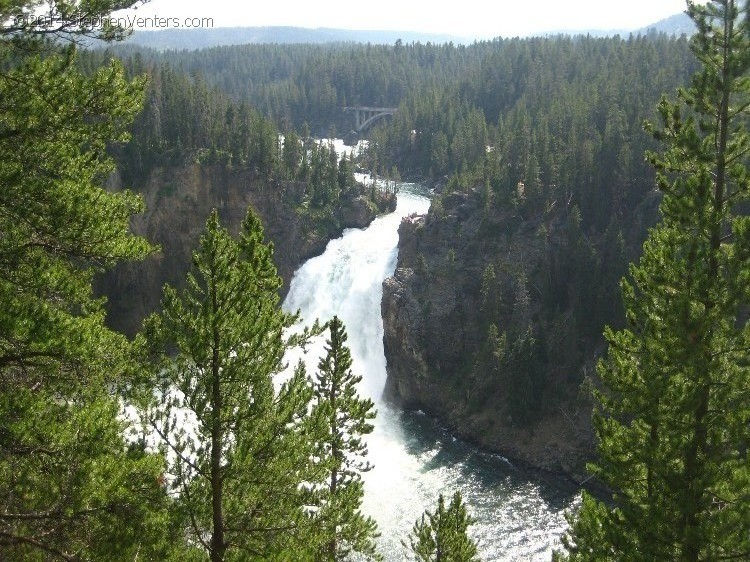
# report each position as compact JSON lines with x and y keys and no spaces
{"x":493,"y":323}
{"x":178,"y":201}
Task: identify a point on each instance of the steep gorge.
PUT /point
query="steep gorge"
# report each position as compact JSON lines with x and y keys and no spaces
{"x":493,"y":322}
{"x":179,"y":199}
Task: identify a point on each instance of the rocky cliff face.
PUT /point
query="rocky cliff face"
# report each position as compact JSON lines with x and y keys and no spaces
{"x":178,"y":201}
{"x":493,"y":324}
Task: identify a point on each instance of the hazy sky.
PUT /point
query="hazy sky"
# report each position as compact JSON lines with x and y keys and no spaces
{"x":466,"y":18}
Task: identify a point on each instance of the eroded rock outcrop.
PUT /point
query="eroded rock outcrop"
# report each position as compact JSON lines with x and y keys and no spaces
{"x":493,"y":323}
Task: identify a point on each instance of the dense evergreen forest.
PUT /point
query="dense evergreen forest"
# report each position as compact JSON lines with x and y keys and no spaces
{"x":561,"y":115}
{"x":535,"y":148}
{"x":537,"y":151}
{"x":192,"y":148}
{"x":186,"y":119}
{"x":544,"y":134}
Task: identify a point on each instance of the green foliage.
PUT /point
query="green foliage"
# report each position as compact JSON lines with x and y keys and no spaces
{"x":562,"y":112}
{"x":521,"y":368}
{"x":186,"y":120}
{"x":488,"y":290}
{"x":341,"y":419}
{"x":346,"y":175}
{"x":442,"y":536}
{"x":238,"y":449}
{"x":673,"y":420}
{"x":324,"y":179}
{"x":71,"y":485}
{"x":292,"y":156}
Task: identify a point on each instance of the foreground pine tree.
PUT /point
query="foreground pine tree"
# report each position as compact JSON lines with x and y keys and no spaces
{"x":674,"y":419}
{"x":239,"y":454}
{"x":442,"y":536}
{"x":71,"y":486}
{"x":341,"y":419}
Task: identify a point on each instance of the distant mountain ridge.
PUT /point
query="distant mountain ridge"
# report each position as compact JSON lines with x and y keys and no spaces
{"x":673,"y":25}
{"x":677,"y":25}
{"x":178,"y":39}
{"x":191,"y":39}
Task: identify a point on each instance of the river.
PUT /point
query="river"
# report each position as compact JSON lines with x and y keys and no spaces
{"x":518,"y":517}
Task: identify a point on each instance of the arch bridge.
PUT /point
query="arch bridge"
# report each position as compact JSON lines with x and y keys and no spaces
{"x":365,"y":116}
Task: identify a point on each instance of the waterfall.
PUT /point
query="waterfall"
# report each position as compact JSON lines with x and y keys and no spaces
{"x":517,"y":517}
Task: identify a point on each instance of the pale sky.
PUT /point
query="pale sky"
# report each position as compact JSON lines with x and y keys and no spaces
{"x":464,"y":18}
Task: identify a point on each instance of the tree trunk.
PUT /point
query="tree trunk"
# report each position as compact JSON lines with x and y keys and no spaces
{"x":218,"y":545}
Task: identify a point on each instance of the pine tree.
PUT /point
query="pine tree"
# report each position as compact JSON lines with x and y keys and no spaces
{"x":343,"y":418}
{"x":674,"y":416}
{"x":71,"y":484}
{"x":238,"y":453}
{"x":442,"y":536}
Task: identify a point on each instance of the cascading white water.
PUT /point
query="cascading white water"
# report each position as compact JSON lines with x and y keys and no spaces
{"x":517,"y":517}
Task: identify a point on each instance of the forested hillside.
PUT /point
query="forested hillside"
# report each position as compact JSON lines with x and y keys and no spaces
{"x":192,"y":149}
{"x":536,"y":149}
{"x":193,"y":440}
{"x":495,"y":314}
{"x":671,"y":415}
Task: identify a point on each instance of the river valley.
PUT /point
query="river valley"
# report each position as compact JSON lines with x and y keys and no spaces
{"x":518,"y":516}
